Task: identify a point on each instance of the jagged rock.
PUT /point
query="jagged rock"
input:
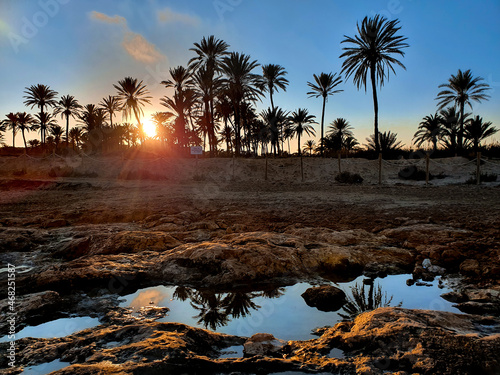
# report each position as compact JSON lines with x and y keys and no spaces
{"x":470,"y":267}
{"x":263,"y":344}
{"x":325,"y":298}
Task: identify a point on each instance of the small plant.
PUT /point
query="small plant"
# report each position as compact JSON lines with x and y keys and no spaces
{"x":413,"y":173}
{"x":485,"y":177}
{"x":349,"y":178}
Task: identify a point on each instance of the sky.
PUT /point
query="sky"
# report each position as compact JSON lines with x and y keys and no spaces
{"x":83,"y":47}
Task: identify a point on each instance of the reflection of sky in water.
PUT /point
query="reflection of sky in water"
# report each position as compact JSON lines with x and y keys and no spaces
{"x":45,"y":368}
{"x":288,"y":317}
{"x":56,"y":328}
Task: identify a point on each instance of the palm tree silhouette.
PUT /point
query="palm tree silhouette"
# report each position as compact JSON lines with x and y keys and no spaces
{"x":12,"y":122}
{"x":273,"y":78}
{"x":430,"y":130}
{"x":133,"y":96}
{"x":371,"y":51}
{"x":68,"y":107}
{"x":302,"y":121}
{"x":240,"y":85}
{"x":41,"y":96}
{"x":476,"y":130}
{"x":75,"y":137}
{"x":210,"y":51}
{"x":111,"y":104}
{"x":450,"y":120}
{"x":310,"y":145}
{"x":324,"y":86}
{"x":57,"y":132}
{"x":462,"y":89}
{"x":25,"y":123}
{"x":387,"y":141}
{"x":43,"y":121}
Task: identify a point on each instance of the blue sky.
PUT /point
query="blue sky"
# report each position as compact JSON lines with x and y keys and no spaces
{"x":82,"y":47}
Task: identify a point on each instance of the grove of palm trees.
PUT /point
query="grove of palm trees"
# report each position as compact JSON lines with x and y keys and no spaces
{"x":287,"y":246}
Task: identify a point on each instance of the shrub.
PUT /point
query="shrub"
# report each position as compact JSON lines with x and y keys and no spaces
{"x":413,"y":173}
{"x":348,"y":178}
{"x":484,"y":177}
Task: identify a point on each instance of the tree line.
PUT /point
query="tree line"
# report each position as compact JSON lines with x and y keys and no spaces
{"x":214,"y":104}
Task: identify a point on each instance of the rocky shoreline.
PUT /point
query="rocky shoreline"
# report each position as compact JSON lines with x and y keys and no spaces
{"x":74,"y":240}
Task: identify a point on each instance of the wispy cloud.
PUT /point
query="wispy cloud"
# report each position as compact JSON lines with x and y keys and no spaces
{"x":140,"y":49}
{"x":167,"y":15}
{"x":107,"y":19}
{"x":135,"y":44}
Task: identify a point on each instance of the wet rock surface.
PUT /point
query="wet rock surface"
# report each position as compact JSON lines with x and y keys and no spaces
{"x":325,"y":298}
{"x":79,"y":246}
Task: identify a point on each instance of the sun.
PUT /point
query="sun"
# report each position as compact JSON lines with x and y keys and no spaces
{"x":149,"y":128}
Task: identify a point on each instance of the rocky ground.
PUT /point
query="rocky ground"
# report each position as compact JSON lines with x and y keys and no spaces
{"x":81,"y":236}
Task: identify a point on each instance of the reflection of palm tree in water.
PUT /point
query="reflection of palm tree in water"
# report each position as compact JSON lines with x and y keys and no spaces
{"x":215,"y":309}
{"x":362,"y":301}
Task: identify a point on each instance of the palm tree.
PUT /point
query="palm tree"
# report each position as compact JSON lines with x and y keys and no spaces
{"x":476,"y":130}
{"x":371,"y":51}
{"x":26,"y":122}
{"x":40,"y":96}
{"x":273,"y":78}
{"x":350,"y":144}
{"x":340,"y":128}
{"x":181,"y":79}
{"x":44,"y":120}
{"x":462,"y":89}
{"x":450,"y":120}
{"x":75,"y":137}
{"x":111,"y":104}
{"x":2,"y":129}
{"x":240,"y":85}
{"x":68,"y":107}
{"x":324,"y":86}
{"x":180,"y":104}
{"x":12,"y":122}
{"x":57,"y":132}
{"x":430,"y":130}
{"x":133,"y":95}
{"x":310,"y":145}
{"x":210,"y":51}
{"x":301,"y":122}
{"x":387,"y":141}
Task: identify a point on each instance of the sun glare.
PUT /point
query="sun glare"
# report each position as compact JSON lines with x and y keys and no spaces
{"x":149,"y":128}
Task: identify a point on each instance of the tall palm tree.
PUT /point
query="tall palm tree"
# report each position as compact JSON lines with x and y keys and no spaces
{"x":25,"y":123}
{"x":180,"y":79}
{"x":273,"y":78}
{"x":57,"y":132}
{"x":301,"y":122}
{"x":111,"y":104}
{"x":310,"y":145}
{"x":372,"y":51}
{"x":43,"y":121}
{"x":133,"y":96}
{"x":12,"y":122}
{"x":240,"y":85}
{"x":430,"y":130}
{"x":476,"y":130}
{"x":462,"y":89}
{"x":210,"y":52}
{"x":68,"y":107}
{"x":325,"y":85}
{"x":41,"y":96}
{"x":181,"y":104}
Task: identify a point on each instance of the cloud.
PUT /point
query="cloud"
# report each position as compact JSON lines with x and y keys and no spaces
{"x":167,"y":15}
{"x":107,"y":19}
{"x":134,"y":44}
{"x":140,"y":49}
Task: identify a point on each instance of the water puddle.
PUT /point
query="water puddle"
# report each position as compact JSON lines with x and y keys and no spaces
{"x":281,"y":311}
{"x":56,"y":328}
{"x":232,"y":352}
{"x":45,"y":368}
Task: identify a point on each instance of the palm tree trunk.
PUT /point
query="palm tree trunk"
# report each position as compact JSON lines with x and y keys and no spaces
{"x":375,"y":107}
{"x":24,"y":140}
{"x":42,"y":127}
{"x":298,"y":136}
{"x":67,"y":130}
{"x":271,"y":96}
{"x":461,"y":129}
{"x":322,"y":127}
{"x":13,"y":135}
